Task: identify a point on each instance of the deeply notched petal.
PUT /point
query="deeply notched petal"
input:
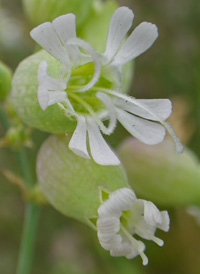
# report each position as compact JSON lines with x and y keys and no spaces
{"x":50,"y":90}
{"x":65,"y":27}
{"x":165,"y":221}
{"x":46,"y":36}
{"x":138,"y":42}
{"x":120,"y":24}
{"x":100,"y":151}
{"x":152,"y":215}
{"x":154,"y":133}
{"x":149,"y":109}
{"x":47,"y":81}
{"x":146,"y":131}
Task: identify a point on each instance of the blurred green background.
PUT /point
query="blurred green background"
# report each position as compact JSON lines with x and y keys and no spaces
{"x":170,"y":69}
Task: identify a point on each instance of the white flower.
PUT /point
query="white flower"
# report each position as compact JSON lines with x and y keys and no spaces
{"x":144,"y":119}
{"x":121,"y":216}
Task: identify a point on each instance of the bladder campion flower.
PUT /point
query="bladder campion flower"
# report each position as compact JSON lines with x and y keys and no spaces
{"x":99,"y":196}
{"x":123,"y":215}
{"x":89,"y":88}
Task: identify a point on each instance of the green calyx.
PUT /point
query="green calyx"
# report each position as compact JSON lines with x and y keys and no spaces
{"x":73,"y":185}
{"x":25,"y":101}
{"x":54,"y":119}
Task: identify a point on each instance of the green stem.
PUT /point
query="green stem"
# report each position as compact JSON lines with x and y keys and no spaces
{"x":24,"y":165}
{"x":32,"y":210}
{"x":31,"y":220}
{"x":4,"y":119}
{"x":28,"y":238}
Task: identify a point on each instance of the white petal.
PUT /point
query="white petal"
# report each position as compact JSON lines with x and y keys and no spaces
{"x":78,"y":142}
{"x":65,"y":27}
{"x":120,"y":23}
{"x":122,"y":199}
{"x":108,"y":209}
{"x":124,"y":249}
{"x":110,"y":225}
{"x":165,"y":221}
{"x":57,"y":97}
{"x":49,"y":82}
{"x":45,"y":35}
{"x":152,"y":215}
{"x":42,"y":71}
{"x":148,"y":132}
{"x":149,"y":109}
{"x":113,"y":242}
{"x":43,"y":97}
{"x":101,"y":152}
{"x":138,"y":42}
{"x":178,"y":145}
{"x":107,"y":229}
{"x":50,"y":90}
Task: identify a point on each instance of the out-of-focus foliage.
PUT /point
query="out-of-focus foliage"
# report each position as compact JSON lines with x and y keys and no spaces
{"x":40,"y":11}
{"x":170,"y":68}
{"x":5,"y":80}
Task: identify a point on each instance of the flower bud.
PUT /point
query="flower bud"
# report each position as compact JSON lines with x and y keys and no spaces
{"x":25,"y":101}
{"x":39,"y":11}
{"x":73,"y":185}
{"x":159,"y":174}
{"x":17,"y":137}
{"x":5,"y":80}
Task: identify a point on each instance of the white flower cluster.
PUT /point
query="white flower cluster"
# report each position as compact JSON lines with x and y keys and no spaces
{"x":123,"y":215}
{"x":144,"y":119}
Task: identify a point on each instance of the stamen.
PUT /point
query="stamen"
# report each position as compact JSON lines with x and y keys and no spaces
{"x":136,"y":244}
{"x":177,"y":143}
{"x":82,"y":44}
{"x":139,"y":246}
{"x":102,"y":127}
{"x":158,"y":241}
{"x":111,"y":110}
{"x":144,"y":258}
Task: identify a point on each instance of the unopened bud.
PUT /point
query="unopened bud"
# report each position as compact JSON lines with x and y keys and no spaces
{"x":159,"y":174}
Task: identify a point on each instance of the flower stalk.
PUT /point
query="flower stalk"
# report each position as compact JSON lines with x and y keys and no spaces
{"x":32,"y":210}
